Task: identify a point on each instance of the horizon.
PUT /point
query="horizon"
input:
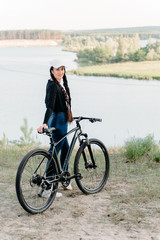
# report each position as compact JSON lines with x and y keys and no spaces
{"x":85,"y":30}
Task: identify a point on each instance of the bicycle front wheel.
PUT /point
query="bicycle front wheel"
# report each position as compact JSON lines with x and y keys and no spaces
{"x":91,"y":166}
{"x":30,"y":181}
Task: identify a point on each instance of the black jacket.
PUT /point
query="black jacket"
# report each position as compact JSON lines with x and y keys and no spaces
{"x":54,"y":100}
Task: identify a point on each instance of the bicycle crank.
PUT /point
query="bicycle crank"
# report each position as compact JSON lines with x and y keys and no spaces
{"x":65,"y":179}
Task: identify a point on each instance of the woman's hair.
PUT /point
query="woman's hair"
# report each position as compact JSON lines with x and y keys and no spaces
{"x":65,"y":83}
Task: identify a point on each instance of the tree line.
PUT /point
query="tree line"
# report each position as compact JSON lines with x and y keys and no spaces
{"x":31,"y":34}
{"x":97,"y":34}
{"x":144,"y":32}
{"x":99,"y":45}
{"x":120,"y":50}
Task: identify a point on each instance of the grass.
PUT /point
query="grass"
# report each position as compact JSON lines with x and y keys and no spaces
{"x":133,"y":187}
{"x":138,"y":147}
{"x":138,"y":70}
{"x":9,"y":161}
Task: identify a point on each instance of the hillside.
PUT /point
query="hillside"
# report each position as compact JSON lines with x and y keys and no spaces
{"x":144,"y":33}
{"x":130,"y":29}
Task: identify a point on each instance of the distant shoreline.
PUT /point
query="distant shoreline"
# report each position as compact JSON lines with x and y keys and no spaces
{"x":29,"y":43}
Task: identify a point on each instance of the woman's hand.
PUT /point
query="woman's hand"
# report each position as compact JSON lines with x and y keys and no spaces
{"x":40,"y":129}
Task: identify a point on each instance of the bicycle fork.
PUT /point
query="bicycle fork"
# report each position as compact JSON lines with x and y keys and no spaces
{"x":87,"y":164}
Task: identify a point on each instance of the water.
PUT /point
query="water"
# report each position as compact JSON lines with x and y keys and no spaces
{"x":143,"y":43}
{"x":128,"y":107}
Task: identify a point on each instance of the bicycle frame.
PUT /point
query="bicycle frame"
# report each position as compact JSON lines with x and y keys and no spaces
{"x":76,"y":136}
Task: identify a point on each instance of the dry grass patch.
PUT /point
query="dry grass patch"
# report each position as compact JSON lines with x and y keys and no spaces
{"x":133,"y":186}
{"x":138,"y":70}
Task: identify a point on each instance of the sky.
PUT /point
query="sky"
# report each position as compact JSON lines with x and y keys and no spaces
{"x":78,"y":14}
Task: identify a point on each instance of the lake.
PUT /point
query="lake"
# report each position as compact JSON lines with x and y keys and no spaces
{"x":127,"y":107}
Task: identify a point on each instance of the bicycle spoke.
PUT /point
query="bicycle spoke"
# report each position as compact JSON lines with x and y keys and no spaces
{"x":30,"y":176}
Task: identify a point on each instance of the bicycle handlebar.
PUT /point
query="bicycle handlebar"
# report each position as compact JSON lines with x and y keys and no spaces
{"x":48,"y":131}
{"x":92,"y":120}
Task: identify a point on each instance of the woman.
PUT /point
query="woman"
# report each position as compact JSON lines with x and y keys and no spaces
{"x":57,"y":101}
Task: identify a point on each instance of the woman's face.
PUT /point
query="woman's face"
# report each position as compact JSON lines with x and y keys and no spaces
{"x":58,"y":73}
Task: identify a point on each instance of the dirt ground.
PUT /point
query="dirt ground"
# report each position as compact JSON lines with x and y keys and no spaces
{"x":74,"y":216}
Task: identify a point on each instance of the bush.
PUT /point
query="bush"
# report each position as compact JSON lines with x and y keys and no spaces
{"x":156,"y":157}
{"x":27,"y":138}
{"x":4,"y":141}
{"x":140,"y":55}
{"x":138,"y":147}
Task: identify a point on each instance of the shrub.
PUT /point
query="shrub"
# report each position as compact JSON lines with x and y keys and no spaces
{"x":156,"y":157}
{"x":4,"y":141}
{"x":138,"y":147}
{"x":140,"y":55}
{"x":27,"y":139}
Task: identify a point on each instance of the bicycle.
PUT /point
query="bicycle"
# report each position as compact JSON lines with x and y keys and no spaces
{"x":91,"y":169}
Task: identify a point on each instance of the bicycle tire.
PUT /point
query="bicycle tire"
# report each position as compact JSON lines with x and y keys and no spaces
{"x":27,"y":191}
{"x":94,"y":177}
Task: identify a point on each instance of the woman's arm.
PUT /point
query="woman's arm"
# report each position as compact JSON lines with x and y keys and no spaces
{"x":50,"y":104}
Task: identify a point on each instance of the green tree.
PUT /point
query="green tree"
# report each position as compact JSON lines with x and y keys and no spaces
{"x":151,"y":55}
{"x":4,"y":141}
{"x":84,"y":54}
{"x":100,"y":54}
{"x":140,"y":55}
{"x":136,"y":42}
{"x":26,"y":139}
{"x":121,"y":47}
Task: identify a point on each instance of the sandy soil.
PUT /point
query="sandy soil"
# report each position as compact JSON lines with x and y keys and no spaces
{"x":27,"y":43}
{"x":75,"y":216}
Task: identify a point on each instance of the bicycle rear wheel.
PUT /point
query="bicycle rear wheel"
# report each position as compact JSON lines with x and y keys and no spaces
{"x":92,"y":164}
{"x":30,"y":182}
